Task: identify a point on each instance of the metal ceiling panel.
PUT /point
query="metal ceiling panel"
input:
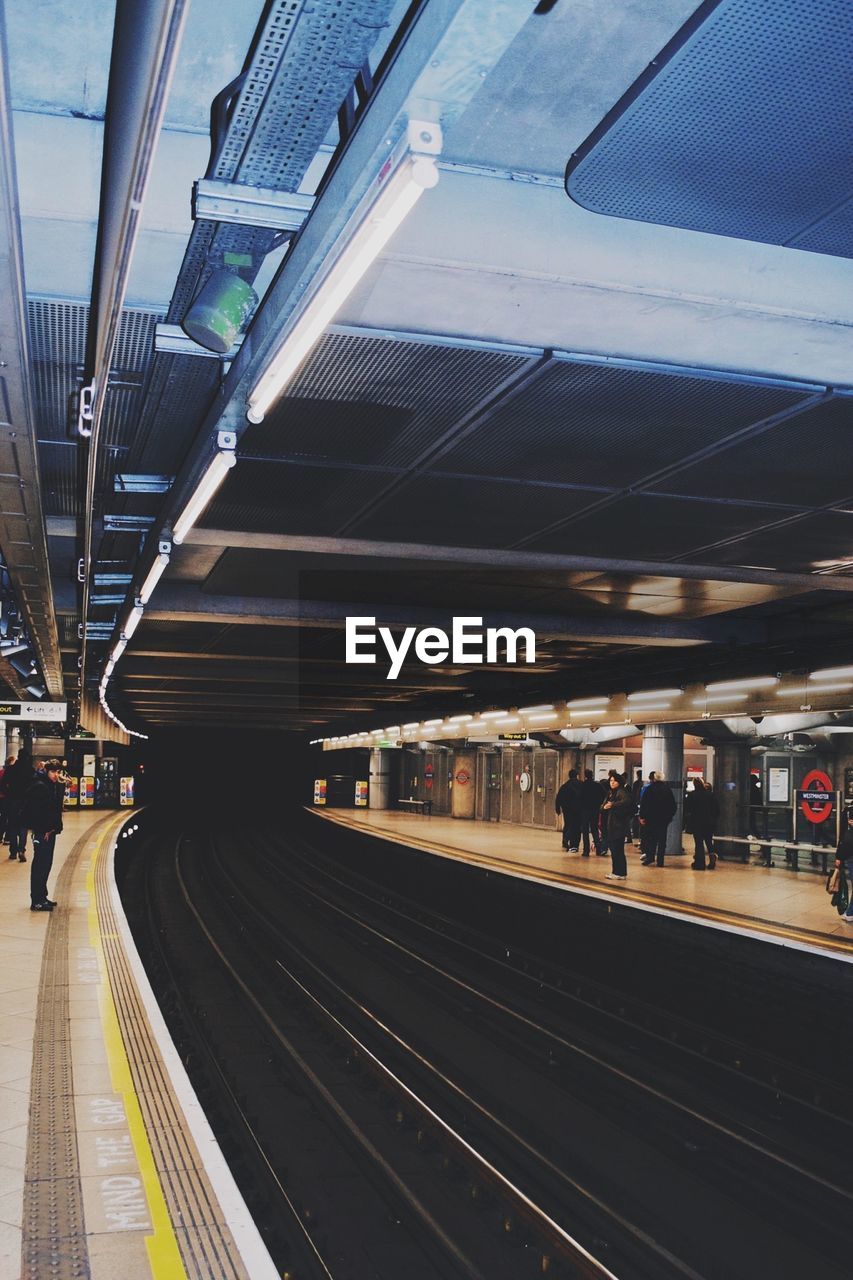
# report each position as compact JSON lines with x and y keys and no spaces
{"x":426,"y":386}
{"x":787,"y":464}
{"x":446,"y":511}
{"x":800,"y":547}
{"x":612,"y":425}
{"x":742,"y":126}
{"x":266,"y":497}
{"x":654,"y":527}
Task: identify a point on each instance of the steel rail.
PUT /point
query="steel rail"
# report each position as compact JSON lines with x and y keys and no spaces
{"x":530,"y":1024}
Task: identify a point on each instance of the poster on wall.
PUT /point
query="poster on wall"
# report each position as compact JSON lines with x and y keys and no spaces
{"x":72,"y":792}
{"x":125,"y":797}
{"x":319,"y":790}
{"x":87,"y":792}
{"x":604,"y":763}
{"x":360,"y":795}
{"x":777,"y":786}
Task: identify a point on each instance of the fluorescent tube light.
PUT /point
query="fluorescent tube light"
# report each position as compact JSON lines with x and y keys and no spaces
{"x":458,"y":719}
{"x":531,"y":711}
{"x":653,"y":694}
{"x":552,"y":715}
{"x":133,"y":620}
{"x":752,"y":682}
{"x":393,"y":194}
{"x":413,"y":724}
{"x":155,"y":573}
{"x":492,"y":715}
{"x":218,"y":468}
{"x":427,"y":723}
{"x":720,"y":697}
{"x":580,"y":704}
{"x":650,"y":706}
{"x":118,"y":649}
{"x":585,"y":713}
{"x":818,"y":689}
{"x":830,"y":673}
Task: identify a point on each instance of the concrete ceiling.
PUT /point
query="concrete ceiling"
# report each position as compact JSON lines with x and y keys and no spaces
{"x":496,"y":254}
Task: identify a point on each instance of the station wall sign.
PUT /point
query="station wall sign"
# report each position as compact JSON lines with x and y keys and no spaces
{"x":512,"y":737}
{"x":360,"y":794}
{"x":319,"y":790}
{"x":816,"y":796}
{"x":126,"y":792}
{"x":87,"y":792}
{"x":33,"y":710}
{"x":72,"y":792}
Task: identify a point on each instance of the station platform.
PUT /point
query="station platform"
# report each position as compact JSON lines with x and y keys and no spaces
{"x":785,"y":907}
{"x":107,"y":1165}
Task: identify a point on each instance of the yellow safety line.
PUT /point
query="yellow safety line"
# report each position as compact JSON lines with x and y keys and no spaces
{"x":164,"y":1256}
{"x":713,"y":915}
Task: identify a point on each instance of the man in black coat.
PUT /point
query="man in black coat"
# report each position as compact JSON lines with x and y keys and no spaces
{"x":568,"y":802}
{"x":592,"y":798}
{"x":657,"y":809}
{"x":41,"y":813}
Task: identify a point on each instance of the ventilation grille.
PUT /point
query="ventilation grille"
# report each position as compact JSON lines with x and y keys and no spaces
{"x":744,"y":129}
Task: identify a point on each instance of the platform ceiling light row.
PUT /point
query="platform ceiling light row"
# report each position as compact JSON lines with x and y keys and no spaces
{"x":206,"y":488}
{"x":606,"y":709}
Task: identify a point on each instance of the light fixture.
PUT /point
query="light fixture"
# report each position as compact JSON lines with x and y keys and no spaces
{"x":828,"y":687}
{"x":580,"y":704}
{"x":651,"y":706}
{"x":132,"y":621}
{"x":153,"y":576}
{"x":458,"y":719}
{"x":531,"y":711}
{"x":492,"y":715}
{"x":752,"y":682}
{"x":652,"y":694}
{"x":427,"y":723}
{"x":217,"y":469}
{"x":542,"y":719}
{"x":413,"y":724}
{"x":118,"y":649}
{"x":830,"y":673}
{"x":720,"y":697}
{"x":403,"y":178}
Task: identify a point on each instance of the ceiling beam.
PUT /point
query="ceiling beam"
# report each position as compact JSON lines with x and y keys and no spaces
{"x":178,"y":602}
{"x":502,"y":558}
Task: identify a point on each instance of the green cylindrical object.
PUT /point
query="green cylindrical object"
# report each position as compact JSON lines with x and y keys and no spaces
{"x":219,"y":312}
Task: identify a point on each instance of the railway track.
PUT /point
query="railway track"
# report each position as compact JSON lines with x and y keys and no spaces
{"x":504,"y":1124}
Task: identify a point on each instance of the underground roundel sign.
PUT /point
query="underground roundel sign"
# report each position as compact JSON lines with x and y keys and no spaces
{"x":816,"y":796}
{"x":462,"y":777}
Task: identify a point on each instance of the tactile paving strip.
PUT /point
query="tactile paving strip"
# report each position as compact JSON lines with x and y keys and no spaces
{"x":207,"y":1248}
{"x":54,"y":1229}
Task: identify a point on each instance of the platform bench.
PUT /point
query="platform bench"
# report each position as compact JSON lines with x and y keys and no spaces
{"x":418,"y":806}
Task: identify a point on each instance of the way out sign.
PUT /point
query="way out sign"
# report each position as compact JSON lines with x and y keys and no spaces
{"x":816,"y":796}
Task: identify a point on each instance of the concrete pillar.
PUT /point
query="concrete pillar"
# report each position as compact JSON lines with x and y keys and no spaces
{"x":731,"y":787}
{"x":463,"y":793}
{"x":663,"y":753}
{"x":379,"y":791}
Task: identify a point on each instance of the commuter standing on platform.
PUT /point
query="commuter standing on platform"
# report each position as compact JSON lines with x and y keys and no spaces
{"x":4,"y":802}
{"x":42,"y":814}
{"x":844,"y":860}
{"x":18,"y":779}
{"x":657,"y":809}
{"x":568,"y":802}
{"x":592,"y":798}
{"x":618,"y":809}
{"x":701,"y":816}
{"x":636,"y":792}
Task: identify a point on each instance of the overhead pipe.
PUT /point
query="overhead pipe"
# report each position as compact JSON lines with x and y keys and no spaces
{"x":146,"y":40}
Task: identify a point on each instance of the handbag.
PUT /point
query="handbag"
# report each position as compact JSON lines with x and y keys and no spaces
{"x":832,"y":880}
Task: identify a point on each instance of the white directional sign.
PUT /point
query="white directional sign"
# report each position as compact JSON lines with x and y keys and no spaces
{"x":33,"y":710}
